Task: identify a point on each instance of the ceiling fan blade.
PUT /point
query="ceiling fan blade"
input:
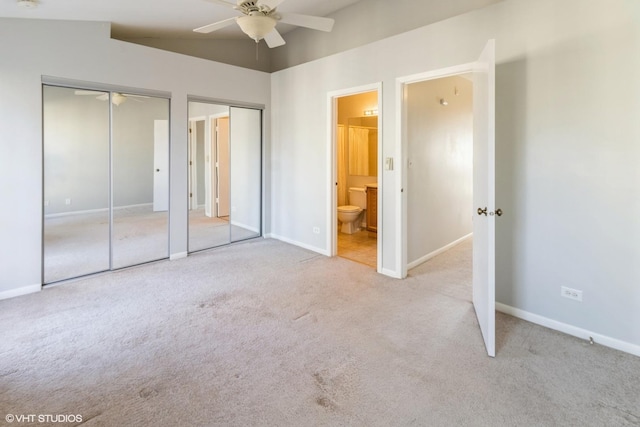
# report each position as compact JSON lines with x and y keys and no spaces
{"x":271,"y":4}
{"x":274,"y":39}
{"x":222,"y":2}
{"x":103,"y":96}
{"x":215,"y":26}
{"x":313,"y":22}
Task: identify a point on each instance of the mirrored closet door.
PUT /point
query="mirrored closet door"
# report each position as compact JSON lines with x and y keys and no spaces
{"x":105,"y":181}
{"x":225,"y":174}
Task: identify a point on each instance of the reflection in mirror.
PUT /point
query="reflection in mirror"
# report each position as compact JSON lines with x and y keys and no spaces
{"x":208,"y":176}
{"x":246,"y":173}
{"x":76,"y":182}
{"x":140,"y":164}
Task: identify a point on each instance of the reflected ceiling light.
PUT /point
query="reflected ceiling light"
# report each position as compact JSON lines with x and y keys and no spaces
{"x":29,"y":4}
{"x":256,"y":26}
{"x":118,"y":99}
{"x":444,"y":102}
{"x":370,"y":112}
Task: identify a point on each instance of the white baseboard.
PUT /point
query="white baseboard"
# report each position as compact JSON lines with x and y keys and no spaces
{"x":569,"y":329}
{"x":179,"y":255}
{"x":391,"y":273}
{"x":92,"y":211}
{"x":437,"y":252}
{"x":296,"y":243}
{"x":20,"y":291}
{"x":246,"y":227}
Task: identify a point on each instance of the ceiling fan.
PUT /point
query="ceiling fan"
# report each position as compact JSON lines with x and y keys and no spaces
{"x":260,"y":18}
{"x":116,"y":98}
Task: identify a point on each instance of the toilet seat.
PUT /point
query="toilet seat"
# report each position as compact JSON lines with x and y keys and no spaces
{"x":349,"y":208}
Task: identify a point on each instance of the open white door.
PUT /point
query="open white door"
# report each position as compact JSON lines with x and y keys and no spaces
{"x":161,"y":165}
{"x":484,"y":244}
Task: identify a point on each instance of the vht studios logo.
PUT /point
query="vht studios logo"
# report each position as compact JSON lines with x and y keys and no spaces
{"x":43,"y":418}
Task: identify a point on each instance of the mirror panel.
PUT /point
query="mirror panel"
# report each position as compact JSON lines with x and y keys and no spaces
{"x":246,"y":173}
{"x":140,"y":162}
{"x":76,"y":182}
{"x":208,"y":176}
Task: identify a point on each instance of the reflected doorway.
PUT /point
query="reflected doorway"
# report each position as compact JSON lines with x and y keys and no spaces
{"x":225,"y":174}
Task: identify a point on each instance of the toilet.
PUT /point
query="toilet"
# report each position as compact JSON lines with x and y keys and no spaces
{"x":349,"y":215}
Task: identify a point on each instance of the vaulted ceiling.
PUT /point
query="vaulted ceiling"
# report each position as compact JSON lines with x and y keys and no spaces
{"x":169,"y":24}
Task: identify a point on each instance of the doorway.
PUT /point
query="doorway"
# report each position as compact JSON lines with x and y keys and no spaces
{"x":483,"y":189}
{"x":355,"y":159}
{"x":439,"y":133}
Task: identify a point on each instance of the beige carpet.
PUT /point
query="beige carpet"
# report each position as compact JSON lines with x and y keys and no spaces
{"x":267,"y":334}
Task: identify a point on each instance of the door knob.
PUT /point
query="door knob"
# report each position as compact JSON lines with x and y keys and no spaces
{"x":498,"y":212}
{"x":157,"y":170}
{"x":482,"y":211}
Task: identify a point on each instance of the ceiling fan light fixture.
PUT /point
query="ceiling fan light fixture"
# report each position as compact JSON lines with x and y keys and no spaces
{"x":28,"y":4}
{"x":118,"y":99}
{"x":256,"y":26}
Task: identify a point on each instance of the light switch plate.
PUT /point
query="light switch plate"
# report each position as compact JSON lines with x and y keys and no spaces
{"x":388,"y":163}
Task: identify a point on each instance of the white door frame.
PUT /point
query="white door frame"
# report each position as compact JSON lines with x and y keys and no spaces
{"x":485,"y":309}
{"x":193,"y":167}
{"x":332,"y":194}
{"x":403,"y":148}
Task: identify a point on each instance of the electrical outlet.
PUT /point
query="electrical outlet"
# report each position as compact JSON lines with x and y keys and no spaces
{"x":574,"y":294}
{"x":67,"y":201}
{"x":316,"y":230}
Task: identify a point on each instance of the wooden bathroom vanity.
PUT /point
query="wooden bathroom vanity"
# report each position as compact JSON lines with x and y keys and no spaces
{"x":372,"y":207}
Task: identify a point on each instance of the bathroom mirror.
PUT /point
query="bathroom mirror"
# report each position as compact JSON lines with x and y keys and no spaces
{"x":362,"y":137}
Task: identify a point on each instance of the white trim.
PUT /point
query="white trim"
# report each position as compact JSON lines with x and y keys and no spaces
{"x":245,"y":226}
{"x":437,"y":252}
{"x":178,"y":255}
{"x":391,"y":273}
{"x":11,"y":293}
{"x":569,"y":329}
{"x":296,"y":243}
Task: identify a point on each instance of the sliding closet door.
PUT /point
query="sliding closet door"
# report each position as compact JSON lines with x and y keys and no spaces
{"x":208,"y":176}
{"x":140,"y":165}
{"x":245,"y":173}
{"x":76,"y":182}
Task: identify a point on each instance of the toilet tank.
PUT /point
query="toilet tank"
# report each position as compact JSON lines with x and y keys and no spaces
{"x":358,"y":197}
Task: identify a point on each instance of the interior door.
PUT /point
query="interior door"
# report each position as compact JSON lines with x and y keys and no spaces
{"x":484,"y":277}
{"x":160,"y":163}
{"x":222,"y":163}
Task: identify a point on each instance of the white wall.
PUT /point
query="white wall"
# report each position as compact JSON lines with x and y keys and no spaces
{"x":84,"y":52}
{"x":440,"y":168}
{"x":568,"y":102}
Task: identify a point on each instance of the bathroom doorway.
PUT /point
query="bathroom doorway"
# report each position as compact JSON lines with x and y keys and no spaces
{"x":356,"y":148}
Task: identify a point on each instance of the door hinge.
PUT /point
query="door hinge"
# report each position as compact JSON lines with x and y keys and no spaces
{"x":190,"y":194}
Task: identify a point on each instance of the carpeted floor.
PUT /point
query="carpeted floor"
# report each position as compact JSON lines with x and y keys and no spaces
{"x":268,"y":334}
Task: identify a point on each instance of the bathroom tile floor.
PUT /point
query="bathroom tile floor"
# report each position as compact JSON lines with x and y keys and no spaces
{"x":360,"y":247}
